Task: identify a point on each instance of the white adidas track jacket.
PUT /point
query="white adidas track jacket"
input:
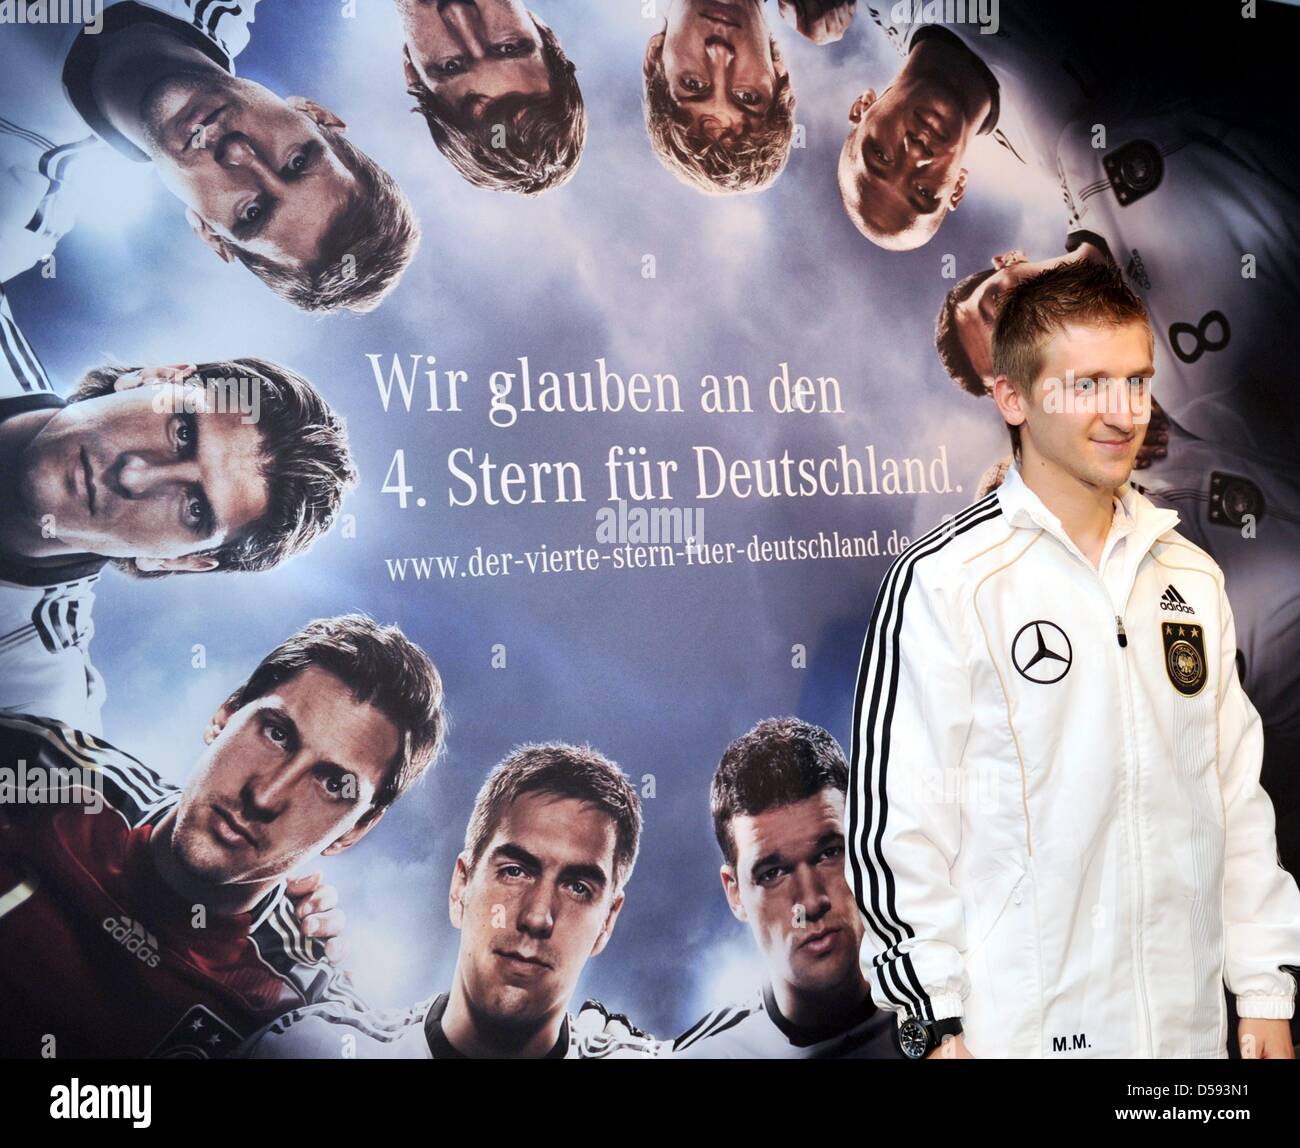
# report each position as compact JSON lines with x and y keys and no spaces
{"x":1055,"y":824}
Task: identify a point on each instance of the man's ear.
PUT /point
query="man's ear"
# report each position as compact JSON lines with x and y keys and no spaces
{"x":959,"y":191}
{"x":731,"y":887}
{"x":1009,"y":400}
{"x":353,"y":835}
{"x":173,"y":373}
{"x":456,"y":895}
{"x":603,"y":939}
{"x":200,"y":227}
{"x":310,"y":108}
{"x":654,"y":51}
{"x":412,"y":76}
{"x":861,"y":104}
{"x":186,"y":564}
{"x":224,"y":713}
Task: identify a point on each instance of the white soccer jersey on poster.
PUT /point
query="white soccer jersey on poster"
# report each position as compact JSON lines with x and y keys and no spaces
{"x":45,"y":621}
{"x":1201,"y":213}
{"x":334,"y":1031}
{"x":756,"y":1030}
{"x":1042,"y":77}
{"x":21,"y":372}
{"x":41,"y":134}
{"x":45,"y":667}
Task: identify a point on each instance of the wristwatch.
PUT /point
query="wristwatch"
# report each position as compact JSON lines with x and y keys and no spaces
{"x":919,"y":1038}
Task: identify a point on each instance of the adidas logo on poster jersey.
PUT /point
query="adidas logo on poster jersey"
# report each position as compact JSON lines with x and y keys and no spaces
{"x":135,"y":938}
{"x":1174,"y":601}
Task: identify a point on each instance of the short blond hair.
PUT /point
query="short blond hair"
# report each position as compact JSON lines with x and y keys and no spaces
{"x":1039,"y":307}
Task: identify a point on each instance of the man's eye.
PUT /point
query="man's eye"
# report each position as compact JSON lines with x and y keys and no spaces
{"x":276,"y":734}
{"x":512,"y":48}
{"x":581,"y":888}
{"x":194,"y":510}
{"x":251,"y":213}
{"x":297,"y":163}
{"x":1084,"y":385}
{"x":768,"y":875}
{"x":452,"y":67}
{"x":749,"y":99}
{"x":333,"y":786}
{"x":693,"y":84}
{"x":925,"y":193}
{"x":185,"y":433}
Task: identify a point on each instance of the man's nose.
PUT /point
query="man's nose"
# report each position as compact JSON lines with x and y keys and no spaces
{"x":141,"y":474}
{"x":236,"y":150}
{"x":266,"y":795}
{"x":811,"y":891}
{"x":462,"y":20}
{"x":720,"y":54}
{"x":535,"y":916}
{"x":915,"y":149}
{"x":1118,"y":409}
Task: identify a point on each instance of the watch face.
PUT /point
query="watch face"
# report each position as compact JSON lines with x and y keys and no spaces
{"x":913,"y":1038}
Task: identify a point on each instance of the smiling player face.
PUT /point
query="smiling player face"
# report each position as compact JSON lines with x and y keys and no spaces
{"x":1092,"y":429}
{"x":142,"y":473}
{"x":539,"y":903}
{"x":788,"y":884}
{"x":288,"y":776}
{"x":901,"y":167}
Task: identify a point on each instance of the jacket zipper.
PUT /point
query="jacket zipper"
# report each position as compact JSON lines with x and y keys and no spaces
{"x":1130,"y":746}
{"x":1131,"y":753}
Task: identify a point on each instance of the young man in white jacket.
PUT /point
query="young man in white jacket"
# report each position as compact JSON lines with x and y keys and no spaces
{"x":1056,"y":832}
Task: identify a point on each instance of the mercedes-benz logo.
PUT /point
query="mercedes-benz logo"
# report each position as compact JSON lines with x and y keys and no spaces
{"x":1041,"y":652}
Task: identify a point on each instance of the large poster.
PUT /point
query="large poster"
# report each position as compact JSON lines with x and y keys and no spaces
{"x":551,"y":388}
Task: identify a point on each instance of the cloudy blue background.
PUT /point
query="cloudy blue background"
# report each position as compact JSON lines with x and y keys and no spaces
{"x":660,"y":669}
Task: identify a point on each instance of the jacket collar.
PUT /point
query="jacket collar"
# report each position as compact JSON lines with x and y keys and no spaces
{"x":1135,"y":514}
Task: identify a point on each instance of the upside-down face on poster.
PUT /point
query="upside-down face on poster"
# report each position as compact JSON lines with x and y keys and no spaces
{"x":747,"y":529}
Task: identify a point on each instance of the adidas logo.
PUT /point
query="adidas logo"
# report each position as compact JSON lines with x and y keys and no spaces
{"x":1137,"y":271}
{"x":1172,"y":600}
{"x":133,"y":937}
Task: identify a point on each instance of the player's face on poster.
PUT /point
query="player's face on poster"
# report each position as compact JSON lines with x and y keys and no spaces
{"x":537,"y":905}
{"x":471,"y":53}
{"x":153,"y":472}
{"x":284,"y":778}
{"x":718,"y":61}
{"x":789,"y":886}
{"x":900,"y":169}
{"x":255,"y":170}
{"x":978,"y":312}
{"x":1089,"y":408}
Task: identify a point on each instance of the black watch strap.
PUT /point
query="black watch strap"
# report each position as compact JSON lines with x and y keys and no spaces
{"x":919,"y":1038}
